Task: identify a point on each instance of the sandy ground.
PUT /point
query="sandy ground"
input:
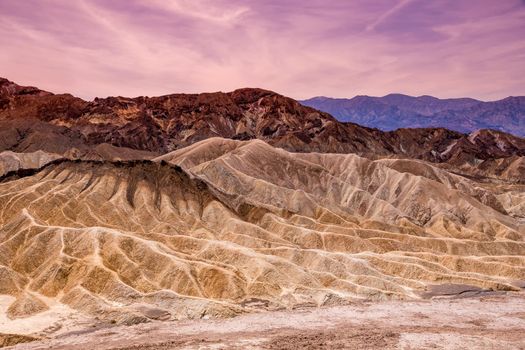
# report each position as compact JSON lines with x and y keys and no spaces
{"x":486,"y":322}
{"x":59,"y":318}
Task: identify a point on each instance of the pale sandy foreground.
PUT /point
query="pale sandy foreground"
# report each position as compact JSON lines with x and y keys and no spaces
{"x":486,"y":322}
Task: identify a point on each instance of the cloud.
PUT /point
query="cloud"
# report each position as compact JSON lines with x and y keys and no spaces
{"x":209,"y":11}
{"x":298,"y":48}
{"x":385,"y":15}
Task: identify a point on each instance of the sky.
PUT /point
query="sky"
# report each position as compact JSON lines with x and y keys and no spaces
{"x":299,"y":48}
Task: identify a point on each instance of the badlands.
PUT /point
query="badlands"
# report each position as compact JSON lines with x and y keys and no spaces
{"x":116,"y":221}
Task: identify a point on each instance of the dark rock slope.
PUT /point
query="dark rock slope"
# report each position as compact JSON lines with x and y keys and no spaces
{"x":32,"y":119}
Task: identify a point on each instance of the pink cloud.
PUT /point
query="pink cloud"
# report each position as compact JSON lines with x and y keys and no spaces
{"x":298,"y":48}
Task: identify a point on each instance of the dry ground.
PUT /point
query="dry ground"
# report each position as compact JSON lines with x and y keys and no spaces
{"x":482,"y":322}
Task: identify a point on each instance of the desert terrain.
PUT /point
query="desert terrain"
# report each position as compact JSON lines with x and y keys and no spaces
{"x":492,"y":321}
{"x":245,"y":220}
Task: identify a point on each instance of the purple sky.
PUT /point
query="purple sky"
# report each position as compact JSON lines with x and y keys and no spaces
{"x":300,"y":48}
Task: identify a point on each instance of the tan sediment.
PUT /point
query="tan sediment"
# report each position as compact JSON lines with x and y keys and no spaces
{"x":131,"y":242}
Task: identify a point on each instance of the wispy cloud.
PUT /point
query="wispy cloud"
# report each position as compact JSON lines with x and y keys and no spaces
{"x":385,"y":15}
{"x":211,"y":11}
{"x":298,"y":48}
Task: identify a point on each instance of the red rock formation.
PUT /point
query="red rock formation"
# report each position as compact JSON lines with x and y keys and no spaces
{"x":32,"y":119}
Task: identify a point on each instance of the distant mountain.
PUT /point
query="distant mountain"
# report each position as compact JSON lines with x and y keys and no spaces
{"x":395,"y":111}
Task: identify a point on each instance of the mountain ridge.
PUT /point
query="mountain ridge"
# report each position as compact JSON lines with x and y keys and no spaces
{"x":145,"y":127}
{"x":394,"y":111}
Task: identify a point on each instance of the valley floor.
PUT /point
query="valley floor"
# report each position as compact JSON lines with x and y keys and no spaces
{"x":480,"y":322}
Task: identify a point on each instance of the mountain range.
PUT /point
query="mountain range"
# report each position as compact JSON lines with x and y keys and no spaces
{"x":142,"y":127}
{"x":395,"y":111}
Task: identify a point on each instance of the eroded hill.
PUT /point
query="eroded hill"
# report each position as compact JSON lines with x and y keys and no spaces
{"x":224,"y":226}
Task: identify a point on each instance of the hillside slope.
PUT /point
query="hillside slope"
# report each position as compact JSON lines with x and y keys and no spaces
{"x":224,"y":226}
